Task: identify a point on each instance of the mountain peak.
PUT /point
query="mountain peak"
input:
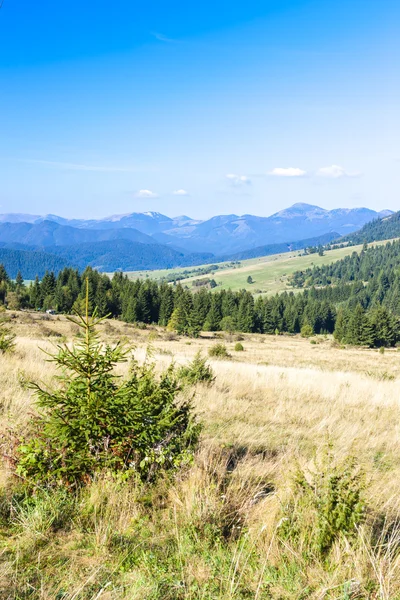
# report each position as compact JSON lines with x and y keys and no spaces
{"x":154,"y":214}
{"x":304,"y":206}
{"x":300,"y":209}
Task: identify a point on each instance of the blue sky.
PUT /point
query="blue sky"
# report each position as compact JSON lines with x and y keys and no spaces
{"x":218,"y":107}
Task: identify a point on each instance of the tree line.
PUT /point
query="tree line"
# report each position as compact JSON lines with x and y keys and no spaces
{"x":355,"y":312}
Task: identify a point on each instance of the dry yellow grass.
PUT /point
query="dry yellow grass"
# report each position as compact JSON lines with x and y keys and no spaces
{"x":280,"y":402}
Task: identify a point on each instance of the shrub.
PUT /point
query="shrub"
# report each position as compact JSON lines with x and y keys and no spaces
{"x":306,"y":331}
{"x":95,"y":421}
{"x":6,"y":338}
{"x":227,"y":324}
{"x":218,"y":351}
{"x":198,"y":371}
{"x":239,"y":347}
{"x":326,"y":504}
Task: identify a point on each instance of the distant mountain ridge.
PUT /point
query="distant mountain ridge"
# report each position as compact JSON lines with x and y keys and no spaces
{"x":151,"y":240}
{"x":220,"y":235}
{"x":50,"y":233}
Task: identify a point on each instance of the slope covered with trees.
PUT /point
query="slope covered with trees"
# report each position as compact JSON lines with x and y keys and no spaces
{"x":362,"y":307}
{"x":270,"y":249}
{"x":378,"y":229}
{"x":30,"y":262}
{"x":126,"y":255}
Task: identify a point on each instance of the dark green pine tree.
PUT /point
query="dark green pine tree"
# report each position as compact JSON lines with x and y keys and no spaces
{"x":3,"y":274}
{"x":144,"y":304}
{"x":19,"y":280}
{"x":213,"y":319}
{"x":35,"y":294}
{"x":356,"y":330}
{"x":48,"y":284}
{"x":100,"y":299}
{"x":269,"y":322}
{"x":246,"y":316}
{"x":384,"y":327}
{"x":166,"y":304}
{"x":184,"y":319}
{"x":202,"y":304}
{"x":340,"y":326}
{"x":129,"y":309}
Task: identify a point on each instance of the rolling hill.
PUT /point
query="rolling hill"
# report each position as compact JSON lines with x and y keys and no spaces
{"x":385,"y":228}
{"x":31,"y":263}
{"x":124,"y":255}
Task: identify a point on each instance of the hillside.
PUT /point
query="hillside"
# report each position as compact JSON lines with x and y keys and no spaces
{"x":377,"y":260}
{"x":124,"y":255}
{"x":284,"y":247}
{"x":31,"y":263}
{"x":270,"y":274}
{"x":379,"y":229}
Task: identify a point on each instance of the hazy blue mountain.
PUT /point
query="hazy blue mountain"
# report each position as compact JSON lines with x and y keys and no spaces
{"x":18,"y":218}
{"x":127,"y":256}
{"x":228,"y":234}
{"x":49,"y":233}
{"x":30,"y":263}
{"x":221,"y":235}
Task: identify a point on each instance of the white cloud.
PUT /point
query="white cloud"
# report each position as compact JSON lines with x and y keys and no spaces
{"x":146,"y":194}
{"x":238,"y":180}
{"x":287,"y":172}
{"x":335,"y":172}
{"x":163,"y":38}
{"x":180,"y":193}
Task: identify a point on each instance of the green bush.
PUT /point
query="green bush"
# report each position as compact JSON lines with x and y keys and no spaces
{"x":306,"y":331}
{"x":325,"y":505}
{"x":218,"y":351}
{"x":6,"y":338}
{"x":94,"y":420}
{"x":198,"y":371}
{"x":239,"y":347}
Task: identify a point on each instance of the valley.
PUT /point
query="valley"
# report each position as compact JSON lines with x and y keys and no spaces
{"x":148,"y":241}
{"x":270,"y":274}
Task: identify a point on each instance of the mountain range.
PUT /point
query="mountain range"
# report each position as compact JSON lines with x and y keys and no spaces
{"x":152,"y":240}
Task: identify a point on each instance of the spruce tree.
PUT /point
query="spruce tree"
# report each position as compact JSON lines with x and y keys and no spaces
{"x":213,"y":319}
{"x":246,"y":316}
{"x":94,"y":421}
{"x":166,"y":304}
{"x":269,"y":321}
{"x":7,"y":337}
{"x":19,"y":280}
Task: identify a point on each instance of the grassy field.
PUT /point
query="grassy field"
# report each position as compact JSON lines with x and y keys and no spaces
{"x":283,"y":406}
{"x":269,"y":273}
